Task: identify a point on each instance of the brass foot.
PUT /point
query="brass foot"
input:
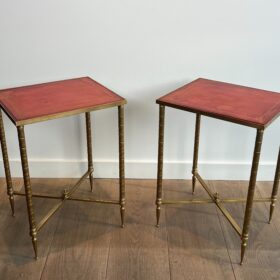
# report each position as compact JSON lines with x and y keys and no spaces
{"x":158,"y":215}
{"x":12,"y":203}
{"x":243,"y":249}
{"x":272,"y":206}
{"x":91,"y":182}
{"x":122,"y":218}
{"x":35,"y":247}
{"x":122,"y":210}
{"x":193,"y":183}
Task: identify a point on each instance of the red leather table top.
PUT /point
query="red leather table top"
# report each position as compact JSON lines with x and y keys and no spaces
{"x":238,"y":104}
{"x":29,"y":104}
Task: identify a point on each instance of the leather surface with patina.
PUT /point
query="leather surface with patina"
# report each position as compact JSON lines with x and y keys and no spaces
{"x":35,"y":101}
{"x":244,"y":105}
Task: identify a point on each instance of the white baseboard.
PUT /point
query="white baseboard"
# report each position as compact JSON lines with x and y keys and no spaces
{"x":60,"y":168}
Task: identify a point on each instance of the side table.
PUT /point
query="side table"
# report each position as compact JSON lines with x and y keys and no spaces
{"x":36,"y":103}
{"x":238,"y":104}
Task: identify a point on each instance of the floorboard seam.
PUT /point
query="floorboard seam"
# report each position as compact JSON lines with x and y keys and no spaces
{"x":221,"y":227}
{"x":167,"y":240}
{"x":226,"y":243}
{"x":51,"y":242}
{"x":108,"y":255}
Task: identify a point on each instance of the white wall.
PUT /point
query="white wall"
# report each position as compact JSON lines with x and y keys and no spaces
{"x":141,"y":50}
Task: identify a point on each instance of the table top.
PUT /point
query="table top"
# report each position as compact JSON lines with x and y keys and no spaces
{"x":36,"y":103}
{"x":243,"y":105}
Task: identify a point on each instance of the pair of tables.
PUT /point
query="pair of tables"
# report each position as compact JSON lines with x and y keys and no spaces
{"x":242,"y":105}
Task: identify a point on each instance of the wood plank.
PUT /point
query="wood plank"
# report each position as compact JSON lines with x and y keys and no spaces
{"x":16,"y":251}
{"x":139,"y":251}
{"x":197,"y":249}
{"x":262,"y":256}
{"x":85,"y":241}
{"x":81,"y":242}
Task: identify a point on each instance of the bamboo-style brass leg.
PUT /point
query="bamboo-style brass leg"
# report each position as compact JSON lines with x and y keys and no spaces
{"x":195,"y":153}
{"x":160,"y":162}
{"x":89,"y":149}
{"x":251,"y":191}
{"x":275,"y":187}
{"x":121,"y":163}
{"x":9,"y":183}
{"x":27,"y":186}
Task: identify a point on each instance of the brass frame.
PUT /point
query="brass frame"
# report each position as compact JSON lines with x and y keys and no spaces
{"x":215,"y":197}
{"x":217,"y":116}
{"x":27,"y":187}
{"x":160,"y":161}
{"x":251,"y":191}
{"x":67,"y":193}
{"x":275,"y":188}
{"x":63,"y":114}
{"x":10,"y":191}
{"x":121,"y":163}
{"x":89,"y":149}
{"x":195,"y":153}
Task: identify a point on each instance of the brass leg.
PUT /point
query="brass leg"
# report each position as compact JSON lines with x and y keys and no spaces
{"x":160,"y":161}
{"x":27,"y":186}
{"x":89,"y":149}
{"x":275,"y":187}
{"x":195,"y":153}
{"x":121,"y":162}
{"x":9,"y":183}
{"x":251,"y":190}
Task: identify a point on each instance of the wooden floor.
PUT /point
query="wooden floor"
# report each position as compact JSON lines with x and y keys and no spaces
{"x":85,"y":241}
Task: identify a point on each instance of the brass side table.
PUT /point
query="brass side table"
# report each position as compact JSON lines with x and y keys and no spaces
{"x":242,"y":105}
{"x":37,"y":103}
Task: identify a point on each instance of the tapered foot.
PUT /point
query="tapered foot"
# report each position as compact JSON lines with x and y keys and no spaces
{"x":91,"y":182}
{"x":243,"y":249}
{"x":35,"y":247}
{"x":158,"y":215}
{"x":193,"y":183}
{"x":12,"y":203}
{"x":272,"y":206}
{"x":122,"y":210}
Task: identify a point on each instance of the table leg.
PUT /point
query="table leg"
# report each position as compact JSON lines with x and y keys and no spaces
{"x":251,"y":191}
{"x":9,"y":183}
{"x":275,"y":187}
{"x":195,"y":153}
{"x":27,"y":186}
{"x":121,"y":163}
{"x":89,"y":149}
{"x":160,"y":162}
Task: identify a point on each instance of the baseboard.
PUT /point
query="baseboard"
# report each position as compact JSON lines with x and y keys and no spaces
{"x":60,"y":168}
